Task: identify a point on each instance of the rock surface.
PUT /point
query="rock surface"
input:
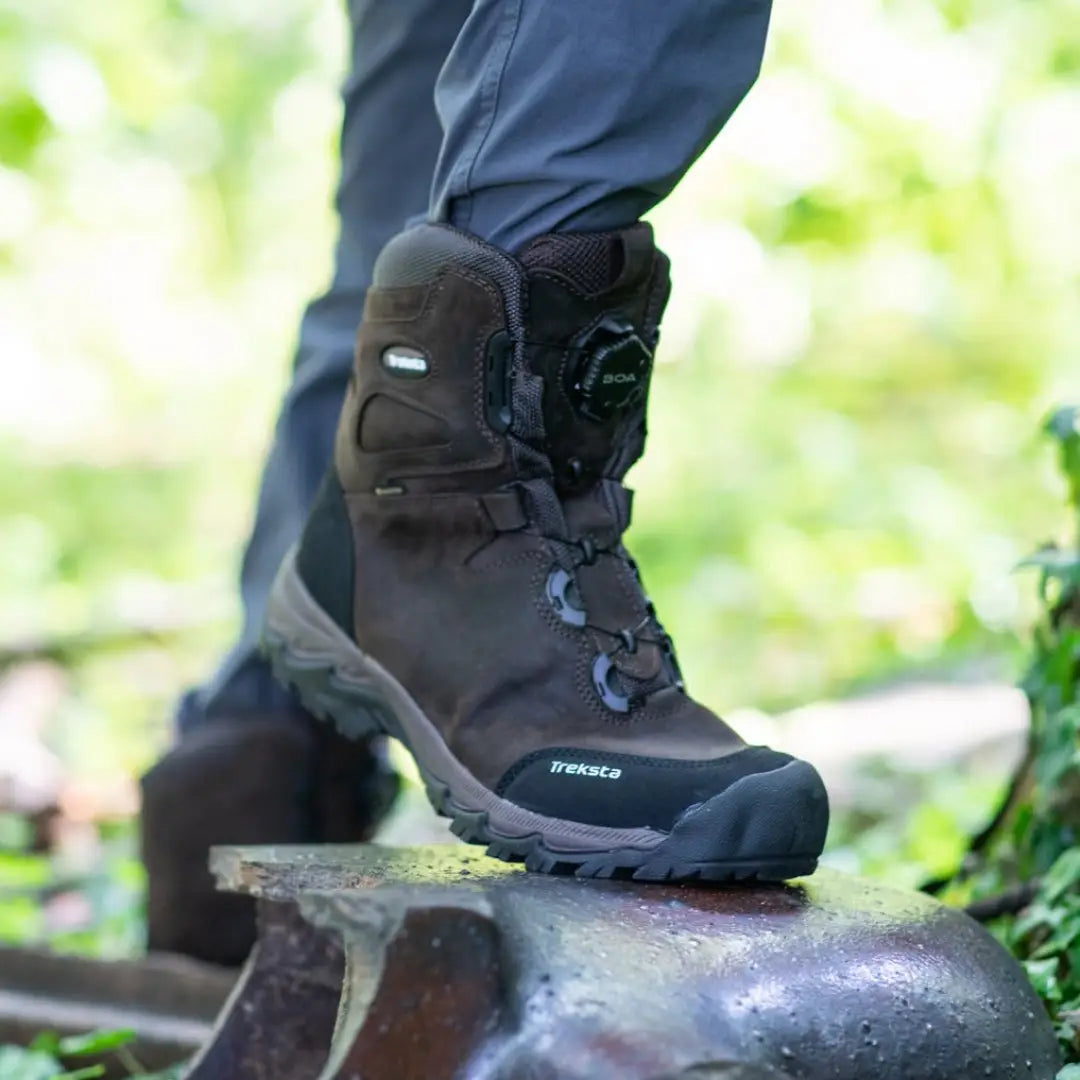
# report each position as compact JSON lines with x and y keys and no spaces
{"x":460,"y":968}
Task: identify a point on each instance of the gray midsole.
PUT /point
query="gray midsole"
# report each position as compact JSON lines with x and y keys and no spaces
{"x":312,"y":637}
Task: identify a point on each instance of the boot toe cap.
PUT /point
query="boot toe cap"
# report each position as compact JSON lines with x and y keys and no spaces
{"x":665,"y":794}
{"x":781,"y":813}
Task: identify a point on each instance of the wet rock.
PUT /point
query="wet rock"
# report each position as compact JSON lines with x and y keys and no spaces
{"x":457,"y":967}
{"x":280,"y":1025}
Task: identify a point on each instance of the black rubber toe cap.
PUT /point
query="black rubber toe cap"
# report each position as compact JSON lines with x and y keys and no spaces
{"x":626,"y":791}
{"x":777,"y":815}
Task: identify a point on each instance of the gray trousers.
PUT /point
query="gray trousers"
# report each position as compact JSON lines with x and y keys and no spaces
{"x":508,"y":118}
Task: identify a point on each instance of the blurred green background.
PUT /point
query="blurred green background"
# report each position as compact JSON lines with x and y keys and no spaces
{"x":876,"y":271}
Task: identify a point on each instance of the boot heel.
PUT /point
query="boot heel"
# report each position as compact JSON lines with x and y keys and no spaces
{"x":300,"y":642}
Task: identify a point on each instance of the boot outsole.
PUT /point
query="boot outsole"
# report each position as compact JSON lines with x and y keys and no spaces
{"x":765,"y":827}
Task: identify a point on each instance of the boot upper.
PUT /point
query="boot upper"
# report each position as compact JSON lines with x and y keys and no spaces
{"x":495,"y":408}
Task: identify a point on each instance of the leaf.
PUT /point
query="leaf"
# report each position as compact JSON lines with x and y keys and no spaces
{"x":1070,"y":1072}
{"x":89,"y":1073}
{"x":24,"y":125}
{"x":47,"y":1042}
{"x":23,"y":871}
{"x":1044,"y":977}
{"x":96,"y":1042}
{"x":1059,"y":942}
{"x":1064,"y":423}
{"x":19,"y":1064}
{"x":1038,"y":916}
{"x":1061,"y":562}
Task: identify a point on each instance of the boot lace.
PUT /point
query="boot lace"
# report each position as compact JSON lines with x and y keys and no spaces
{"x":621,"y":690}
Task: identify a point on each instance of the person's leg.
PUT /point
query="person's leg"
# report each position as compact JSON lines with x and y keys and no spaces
{"x":461,"y":582}
{"x":561,"y":115}
{"x":390,"y":139}
{"x":250,"y":765}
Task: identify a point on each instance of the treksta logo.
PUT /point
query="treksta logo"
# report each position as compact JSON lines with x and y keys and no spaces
{"x":618,"y":377}
{"x":405,"y":362}
{"x":579,"y":768}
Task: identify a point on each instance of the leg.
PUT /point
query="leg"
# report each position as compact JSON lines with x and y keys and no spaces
{"x":566,"y":116}
{"x":390,"y":138}
{"x":462,"y":582}
{"x":251,"y":766}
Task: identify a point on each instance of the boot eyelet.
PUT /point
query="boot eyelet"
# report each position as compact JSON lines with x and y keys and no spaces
{"x":574,"y":471}
{"x":602,"y":672}
{"x":629,"y":641}
{"x":588,"y":550}
{"x":562,"y":594}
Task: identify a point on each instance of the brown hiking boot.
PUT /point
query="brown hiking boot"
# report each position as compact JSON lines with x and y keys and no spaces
{"x":462,"y":584}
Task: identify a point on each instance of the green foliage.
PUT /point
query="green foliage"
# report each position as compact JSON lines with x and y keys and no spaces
{"x":904,"y":826}
{"x":39,"y":894}
{"x":1039,"y":840}
{"x":52,"y":1057}
{"x":20,"y":1064}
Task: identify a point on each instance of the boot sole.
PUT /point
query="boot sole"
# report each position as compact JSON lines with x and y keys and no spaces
{"x":755,"y":829}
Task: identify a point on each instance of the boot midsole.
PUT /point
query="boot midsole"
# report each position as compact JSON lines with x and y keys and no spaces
{"x":309,"y":637}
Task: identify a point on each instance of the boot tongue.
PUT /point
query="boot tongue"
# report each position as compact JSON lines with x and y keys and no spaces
{"x":594,"y":302}
{"x":601,"y":511}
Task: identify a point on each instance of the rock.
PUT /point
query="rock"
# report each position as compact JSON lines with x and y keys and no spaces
{"x":457,"y":967}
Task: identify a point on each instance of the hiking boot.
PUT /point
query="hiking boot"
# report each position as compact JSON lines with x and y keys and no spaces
{"x":462,"y":584}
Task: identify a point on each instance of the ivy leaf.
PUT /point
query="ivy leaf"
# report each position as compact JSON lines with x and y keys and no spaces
{"x":1062,"y":876}
{"x":1060,"y":941}
{"x":95,"y":1042}
{"x":1057,"y":561}
{"x":1044,"y":977}
{"x":1064,"y":423}
{"x":47,"y":1042}
{"x":19,"y":1064}
{"x":1038,"y":916}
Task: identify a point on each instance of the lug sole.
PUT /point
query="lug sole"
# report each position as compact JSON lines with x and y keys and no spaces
{"x":751,"y":831}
